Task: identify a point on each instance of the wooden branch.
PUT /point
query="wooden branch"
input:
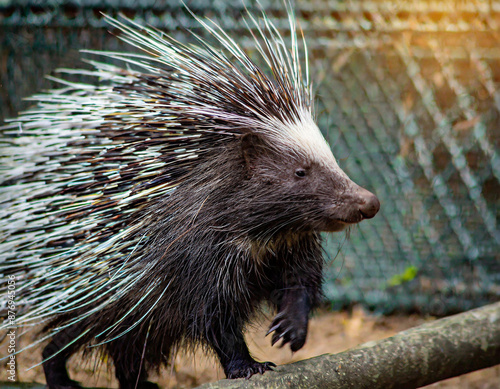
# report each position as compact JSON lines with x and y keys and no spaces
{"x":417,"y":357}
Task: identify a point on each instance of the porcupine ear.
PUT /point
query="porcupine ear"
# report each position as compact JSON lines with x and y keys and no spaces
{"x":252,"y":148}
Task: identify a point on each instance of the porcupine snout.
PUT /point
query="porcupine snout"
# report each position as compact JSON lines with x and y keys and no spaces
{"x":349,"y":205}
{"x":368,"y":203}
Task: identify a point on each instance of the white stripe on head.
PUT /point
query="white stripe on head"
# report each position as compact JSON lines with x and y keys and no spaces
{"x":301,"y":136}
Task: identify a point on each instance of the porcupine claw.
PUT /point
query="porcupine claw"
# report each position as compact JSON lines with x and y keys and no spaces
{"x":273,"y":328}
{"x":251,"y":369}
{"x":290,"y":324}
{"x":277,"y":336}
{"x":276,"y":322}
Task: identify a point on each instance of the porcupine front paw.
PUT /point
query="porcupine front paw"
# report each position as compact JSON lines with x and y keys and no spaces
{"x":291,"y":327}
{"x":246,"y":369}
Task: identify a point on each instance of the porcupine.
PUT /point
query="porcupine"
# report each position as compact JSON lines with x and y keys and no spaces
{"x":162,"y":207}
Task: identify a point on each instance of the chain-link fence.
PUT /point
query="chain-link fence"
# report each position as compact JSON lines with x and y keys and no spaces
{"x":409,"y":98}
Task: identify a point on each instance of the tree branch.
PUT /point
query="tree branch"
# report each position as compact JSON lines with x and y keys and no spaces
{"x":417,"y":357}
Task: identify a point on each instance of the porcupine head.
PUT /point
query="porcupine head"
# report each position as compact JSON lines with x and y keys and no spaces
{"x":176,"y":196}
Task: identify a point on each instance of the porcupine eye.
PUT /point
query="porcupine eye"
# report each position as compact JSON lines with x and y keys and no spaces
{"x":301,"y":173}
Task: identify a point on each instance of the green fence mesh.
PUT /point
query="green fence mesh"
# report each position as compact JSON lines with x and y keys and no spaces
{"x":408,"y":97}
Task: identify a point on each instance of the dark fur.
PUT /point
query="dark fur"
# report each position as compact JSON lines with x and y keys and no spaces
{"x":241,"y":229}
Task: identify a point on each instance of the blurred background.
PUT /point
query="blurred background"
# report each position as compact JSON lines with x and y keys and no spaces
{"x":408,"y":95}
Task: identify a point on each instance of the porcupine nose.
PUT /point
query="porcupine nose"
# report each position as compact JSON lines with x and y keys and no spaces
{"x":368,"y":203}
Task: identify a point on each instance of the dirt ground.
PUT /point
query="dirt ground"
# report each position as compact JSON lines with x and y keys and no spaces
{"x":330,"y":332}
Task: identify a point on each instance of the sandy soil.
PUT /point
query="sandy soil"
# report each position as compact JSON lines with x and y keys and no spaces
{"x":329,"y":333}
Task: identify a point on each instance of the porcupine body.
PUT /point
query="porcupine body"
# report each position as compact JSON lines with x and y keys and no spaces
{"x":162,"y":207}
